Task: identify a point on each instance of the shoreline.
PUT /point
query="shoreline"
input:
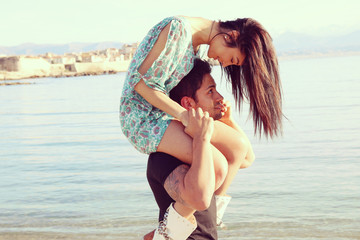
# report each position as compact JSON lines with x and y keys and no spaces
{"x":16,"y":78}
{"x":99,"y":62}
{"x":8,"y":78}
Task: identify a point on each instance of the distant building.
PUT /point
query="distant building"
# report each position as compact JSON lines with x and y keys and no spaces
{"x":62,"y":60}
{"x":90,"y":57}
{"x":24,"y":64}
{"x":129,"y":50}
{"x":49,"y":64}
{"x":110,"y":52}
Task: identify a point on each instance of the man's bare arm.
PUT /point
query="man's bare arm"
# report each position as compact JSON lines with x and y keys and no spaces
{"x":194,"y":186}
{"x":173,"y":183}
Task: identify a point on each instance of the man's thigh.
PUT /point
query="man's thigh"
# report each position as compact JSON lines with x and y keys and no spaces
{"x":164,"y":169}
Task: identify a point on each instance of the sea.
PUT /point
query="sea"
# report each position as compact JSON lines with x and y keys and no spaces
{"x":67,"y":171}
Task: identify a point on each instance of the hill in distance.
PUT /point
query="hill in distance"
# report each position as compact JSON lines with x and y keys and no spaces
{"x":290,"y":42}
{"x":60,"y":49}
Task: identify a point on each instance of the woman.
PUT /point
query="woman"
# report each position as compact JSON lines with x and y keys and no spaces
{"x":153,"y":122}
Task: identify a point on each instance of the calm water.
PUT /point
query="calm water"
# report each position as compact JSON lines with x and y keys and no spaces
{"x":66,"y":171}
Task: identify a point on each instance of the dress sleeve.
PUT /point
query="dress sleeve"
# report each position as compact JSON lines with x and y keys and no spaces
{"x":168,"y":64}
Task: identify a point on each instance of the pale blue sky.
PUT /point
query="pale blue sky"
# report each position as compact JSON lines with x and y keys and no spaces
{"x":55,"y":22}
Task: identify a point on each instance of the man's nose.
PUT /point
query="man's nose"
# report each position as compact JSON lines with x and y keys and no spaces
{"x":219,"y":97}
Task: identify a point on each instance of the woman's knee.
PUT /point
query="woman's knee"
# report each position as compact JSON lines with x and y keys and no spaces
{"x":231,"y":143}
{"x":239,"y":153}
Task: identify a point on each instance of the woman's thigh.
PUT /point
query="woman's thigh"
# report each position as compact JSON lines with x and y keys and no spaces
{"x":229,"y":141}
{"x":179,"y":144}
{"x":176,"y":142}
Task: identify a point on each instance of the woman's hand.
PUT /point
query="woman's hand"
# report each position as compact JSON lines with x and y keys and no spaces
{"x":226,"y":113}
{"x":184,"y":117}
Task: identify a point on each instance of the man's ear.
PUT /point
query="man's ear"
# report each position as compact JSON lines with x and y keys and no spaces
{"x":187,"y":103}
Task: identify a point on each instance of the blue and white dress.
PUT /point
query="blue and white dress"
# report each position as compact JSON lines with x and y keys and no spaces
{"x":143,"y":124}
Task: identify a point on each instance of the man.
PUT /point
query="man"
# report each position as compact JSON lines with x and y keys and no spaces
{"x":167,"y":174}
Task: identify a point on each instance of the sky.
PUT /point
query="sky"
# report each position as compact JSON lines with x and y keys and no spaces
{"x":66,"y":21}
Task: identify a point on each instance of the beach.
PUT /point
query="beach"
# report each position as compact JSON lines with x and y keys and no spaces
{"x":67,"y":171}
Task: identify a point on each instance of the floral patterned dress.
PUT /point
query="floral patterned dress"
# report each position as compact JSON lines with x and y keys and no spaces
{"x":143,"y":124}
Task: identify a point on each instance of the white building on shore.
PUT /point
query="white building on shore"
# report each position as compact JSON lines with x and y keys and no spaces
{"x":95,"y":62}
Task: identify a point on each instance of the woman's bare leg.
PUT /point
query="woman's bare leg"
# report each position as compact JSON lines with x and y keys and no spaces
{"x":178,"y":144}
{"x":229,"y":145}
{"x":234,"y":147}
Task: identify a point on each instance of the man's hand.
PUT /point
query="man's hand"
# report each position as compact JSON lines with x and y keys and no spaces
{"x":200,"y":124}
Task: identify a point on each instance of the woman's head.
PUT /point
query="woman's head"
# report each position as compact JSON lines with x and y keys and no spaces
{"x":245,"y":51}
{"x":222,"y":50}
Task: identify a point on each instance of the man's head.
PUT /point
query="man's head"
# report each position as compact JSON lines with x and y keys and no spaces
{"x":198,"y":89}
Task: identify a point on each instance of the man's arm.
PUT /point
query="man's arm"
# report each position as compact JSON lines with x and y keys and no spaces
{"x":194,"y":186}
{"x":172,"y":183}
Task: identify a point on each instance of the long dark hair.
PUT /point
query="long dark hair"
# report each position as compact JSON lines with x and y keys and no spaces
{"x":258,"y":78}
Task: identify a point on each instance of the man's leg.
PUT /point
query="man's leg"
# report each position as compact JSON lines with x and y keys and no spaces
{"x":159,"y":165}
{"x":194,"y":185}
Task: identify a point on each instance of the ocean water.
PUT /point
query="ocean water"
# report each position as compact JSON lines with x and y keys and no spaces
{"x":67,"y":172}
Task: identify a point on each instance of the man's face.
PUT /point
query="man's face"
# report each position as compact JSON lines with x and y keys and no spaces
{"x":208,"y":98}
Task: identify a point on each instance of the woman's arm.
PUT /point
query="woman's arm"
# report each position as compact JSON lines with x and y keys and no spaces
{"x":154,"y":97}
{"x":162,"y":101}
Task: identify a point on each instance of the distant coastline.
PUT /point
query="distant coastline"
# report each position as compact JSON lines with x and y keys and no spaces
{"x":85,"y":58}
{"x":108,"y":61}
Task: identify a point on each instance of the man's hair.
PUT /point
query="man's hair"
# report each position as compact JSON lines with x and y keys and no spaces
{"x":188,"y":86}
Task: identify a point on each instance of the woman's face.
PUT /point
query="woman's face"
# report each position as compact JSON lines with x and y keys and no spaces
{"x":219,"y":50}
